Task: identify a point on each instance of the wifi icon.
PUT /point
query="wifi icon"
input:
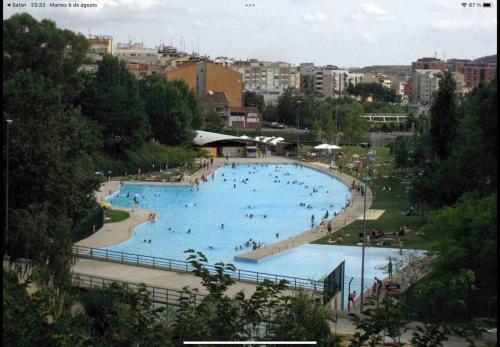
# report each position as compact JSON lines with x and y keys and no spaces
{"x":464,"y":4}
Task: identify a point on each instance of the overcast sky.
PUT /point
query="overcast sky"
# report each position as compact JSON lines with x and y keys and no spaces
{"x":348,"y":33}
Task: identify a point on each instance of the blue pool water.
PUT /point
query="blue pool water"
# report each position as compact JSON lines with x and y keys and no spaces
{"x":274,"y":191}
{"x":271,"y":190}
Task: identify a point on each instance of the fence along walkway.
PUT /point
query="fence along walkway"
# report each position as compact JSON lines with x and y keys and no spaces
{"x":167,"y":264}
{"x":159,"y":295}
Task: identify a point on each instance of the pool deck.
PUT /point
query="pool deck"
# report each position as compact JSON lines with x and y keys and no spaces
{"x":113,"y":233}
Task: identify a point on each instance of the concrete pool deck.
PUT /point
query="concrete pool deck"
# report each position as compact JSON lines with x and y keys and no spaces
{"x":113,"y":233}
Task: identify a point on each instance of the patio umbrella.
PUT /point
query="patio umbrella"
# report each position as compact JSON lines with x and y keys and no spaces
{"x":105,"y":205}
{"x":327,"y":146}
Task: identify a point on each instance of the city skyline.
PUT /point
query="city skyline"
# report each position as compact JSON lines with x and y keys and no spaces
{"x":351,"y":34}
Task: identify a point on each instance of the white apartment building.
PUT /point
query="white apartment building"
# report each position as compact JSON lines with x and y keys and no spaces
{"x":354,"y":78}
{"x":223,"y":61}
{"x":328,"y":81}
{"x":269,"y":79}
{"x":425,"y":84}
{"x":136,"y":53}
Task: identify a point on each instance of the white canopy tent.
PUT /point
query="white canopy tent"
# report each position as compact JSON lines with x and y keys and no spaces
{"x":326,"y":146}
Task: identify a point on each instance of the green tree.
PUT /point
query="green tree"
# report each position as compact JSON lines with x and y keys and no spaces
{"x":252,"y":99}
{"x":299,"y":318}
{"x":353,"y":125}
{"x":122,"y":316}
{"x":54,"y":53}
{"x":48,"y":147}
{"x":112,"y":99}
{"x":29,"y":322}
{"x":315,"y":131}
{"x":430,"y":335}
{"x":215,"y":122}
{"x":409,"y":151}
{"x":286,"y":111}
{"x":173,"y":111}
{"x":376,"y":90}
{"x":464,"y":243}
{"x":444,"y":117}
{"x":388,"y":318}
{"x":220,"y":317}
{"x":270,"y":114}
{"x":330,"y":129}
{"x":465,"y":238}
{"x":471,"y":164}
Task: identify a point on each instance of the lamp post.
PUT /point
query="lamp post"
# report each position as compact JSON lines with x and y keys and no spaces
{"x":321,"y":123}
{"x":298,"y":126}
{"x":363,"y":248}
{"x":9,"y":122}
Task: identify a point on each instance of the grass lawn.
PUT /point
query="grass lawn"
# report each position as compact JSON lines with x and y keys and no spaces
{"x":115,"y":215}
{"x":393,"y":202}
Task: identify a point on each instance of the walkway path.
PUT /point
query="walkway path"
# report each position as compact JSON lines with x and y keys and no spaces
{"x":113,"y":233}
{"x":152,"y":277}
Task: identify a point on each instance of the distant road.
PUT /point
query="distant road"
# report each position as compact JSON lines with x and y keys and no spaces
{"x":286,"y":130}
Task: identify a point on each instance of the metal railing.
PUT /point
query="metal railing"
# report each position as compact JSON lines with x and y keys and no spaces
{"x":158,"y":295}
{"x":184,"y":266}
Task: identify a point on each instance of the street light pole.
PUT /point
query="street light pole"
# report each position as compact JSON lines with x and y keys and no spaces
{"x":9,"y":122}
{"x":298,"y":126}
{"x":321,"y":125}
{"x":363,"y":248}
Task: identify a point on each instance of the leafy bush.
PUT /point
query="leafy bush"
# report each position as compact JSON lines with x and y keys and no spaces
{"x":144,"y":158}
{"x":84,"y":227}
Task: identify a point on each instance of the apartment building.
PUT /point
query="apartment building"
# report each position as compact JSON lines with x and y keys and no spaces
{"x":244,"y":118}
{"x":169,"y":57}
{"x":139,"y":70}
{"x":99,"y":46}
{"x":327,"y":81}
{"x":216,"y":102}
{"x":474,"y":73}
{"x":429,"y":64}
{"x":223,"y":61}
{"x":136,"y":53}
{"x":424,"y":85}
{"x":203,"y":76}
{"x":269,"y":79}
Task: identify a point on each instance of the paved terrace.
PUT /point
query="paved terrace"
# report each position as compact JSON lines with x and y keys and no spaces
{"x":153,"y":277}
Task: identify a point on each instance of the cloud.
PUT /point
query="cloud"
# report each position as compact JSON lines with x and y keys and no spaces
{"x":372,"y":11}
{"x":358,"y":17}
{"x":453,"y":24}
{"x":447,"y":4}
{"x":372,"y":8}
{"x":318,"y":17}
{"x":369,"y":39}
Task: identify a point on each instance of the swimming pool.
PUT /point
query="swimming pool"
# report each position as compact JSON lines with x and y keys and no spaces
{"x":281,"y":199}
{"x":266,"y":208}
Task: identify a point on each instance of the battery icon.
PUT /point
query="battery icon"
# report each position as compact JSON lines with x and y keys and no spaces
{"x":486,"y":4}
